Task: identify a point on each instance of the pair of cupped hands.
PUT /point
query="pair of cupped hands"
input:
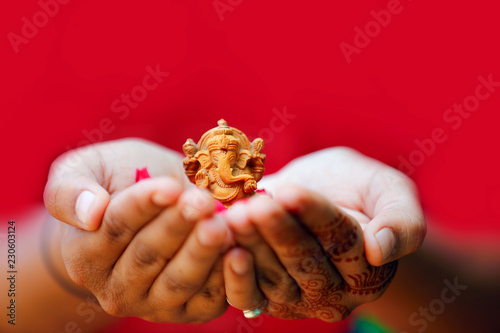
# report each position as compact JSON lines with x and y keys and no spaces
{"x":324,"y":243}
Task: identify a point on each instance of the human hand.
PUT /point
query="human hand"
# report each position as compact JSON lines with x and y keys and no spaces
{"x":383,"y":200}
{"x":82,"y":182}
{"x":157,"y":253}
{"x":299,"y":256}
{"x":379,"y":197}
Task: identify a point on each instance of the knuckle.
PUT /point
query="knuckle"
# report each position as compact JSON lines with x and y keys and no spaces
{"x":113,"y":302}
{"x":212,"y":291}
{"x":144,"y":255}
{"x":77,"y":274}
{"x":281,"y":292}
{"x":113,"y":308}
{"x":115,"y":228}
{"x":179,"y":286}
{"x":82,"y":266}
{"x":79,"y":271}
{"x":308,"y":263}
{"x":268,"y":279}
{"x":199,"y":255}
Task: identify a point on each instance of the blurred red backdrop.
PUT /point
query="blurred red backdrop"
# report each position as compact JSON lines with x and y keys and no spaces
{"x":378,"y":76}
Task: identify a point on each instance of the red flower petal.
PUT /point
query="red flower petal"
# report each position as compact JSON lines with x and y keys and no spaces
{"x":141,"y":174}
{"x":219,"y":207}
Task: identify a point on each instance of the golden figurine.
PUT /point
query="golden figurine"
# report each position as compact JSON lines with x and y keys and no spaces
{"x":225,"y":163}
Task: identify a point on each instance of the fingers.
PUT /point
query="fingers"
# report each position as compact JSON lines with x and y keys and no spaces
{"x":149,"y":251}
{"x":398,"y":225}
{"x":132,"y":208}
{"x":210,"y":299}
{"x":73,"y":193}
{"x":272,"y":277}
{"x":79,"y":181}
{"x":92,"y":255}
{"x":189,"y":269}
{"x":340,"y":235}
{"x":158,"y":241}
{"x":342,"y":239}
{"x":239,"y":275}
{"x":294,"y":247}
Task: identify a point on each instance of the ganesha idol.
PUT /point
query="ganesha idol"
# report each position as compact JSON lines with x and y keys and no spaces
{"x":225,"y":163}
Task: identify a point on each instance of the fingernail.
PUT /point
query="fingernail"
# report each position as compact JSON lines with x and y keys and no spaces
{"x":240,"y":267}
{"x":238,"y":219}
{"x":212,"y":232}
{"x":197,"y":204}
{"x":169,"y":192}
{"x":386,"y":241}
{"x":83,"y":204}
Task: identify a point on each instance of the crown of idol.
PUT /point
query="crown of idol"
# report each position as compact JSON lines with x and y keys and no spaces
{"x":223,"y":138}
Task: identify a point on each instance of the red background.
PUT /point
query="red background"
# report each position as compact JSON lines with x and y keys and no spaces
{"x":262,"y":56}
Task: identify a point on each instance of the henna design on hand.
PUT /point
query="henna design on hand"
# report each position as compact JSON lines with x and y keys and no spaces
{"x":337,"y":260}
{"x":334,"y":276}
{"x":374,"y":281}
{"x":337,"y":236}
{"x":321,"y":298}
{"x":325,"y":303}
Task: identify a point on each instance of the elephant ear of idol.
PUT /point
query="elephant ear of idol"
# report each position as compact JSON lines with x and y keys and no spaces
{"x":225,"y":163}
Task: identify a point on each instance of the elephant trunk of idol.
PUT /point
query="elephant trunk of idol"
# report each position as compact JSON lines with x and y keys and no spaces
{"x":226,"y":173}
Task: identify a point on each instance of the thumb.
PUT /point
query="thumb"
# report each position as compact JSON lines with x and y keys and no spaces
{"x":393,"y":233}
{"x":74,"y":196}
{"x":398,"y":226}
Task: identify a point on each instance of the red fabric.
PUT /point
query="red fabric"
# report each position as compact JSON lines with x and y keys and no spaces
{"x":66,"y":85}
